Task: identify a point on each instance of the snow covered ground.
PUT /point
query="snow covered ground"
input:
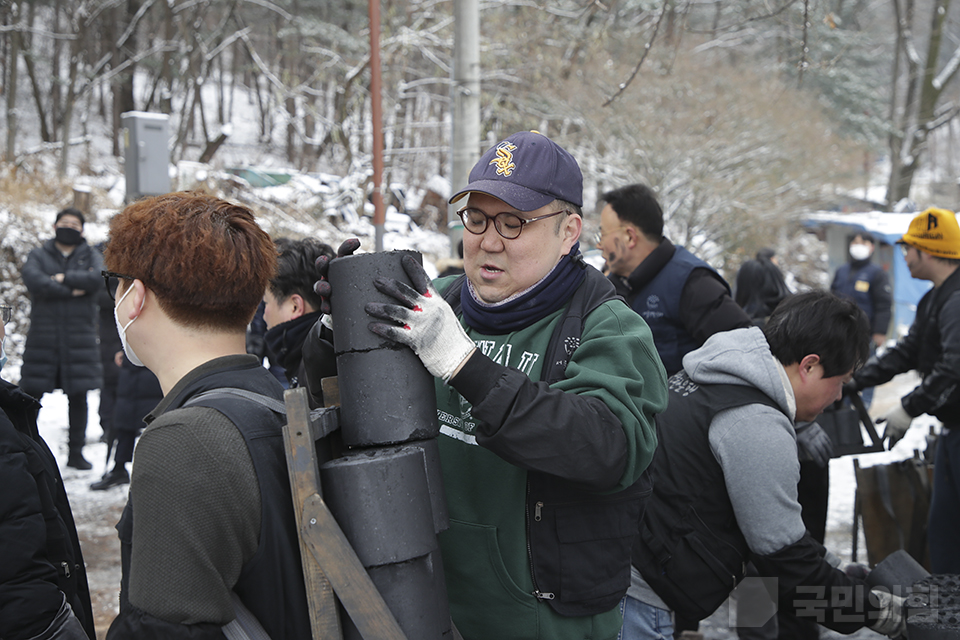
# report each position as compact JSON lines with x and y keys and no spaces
{"x":97,"y":512}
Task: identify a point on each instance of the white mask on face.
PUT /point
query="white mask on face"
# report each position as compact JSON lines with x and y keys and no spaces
{"x":122,"y":330}
{"x":3,"y":356}
{"x":860,"y":251}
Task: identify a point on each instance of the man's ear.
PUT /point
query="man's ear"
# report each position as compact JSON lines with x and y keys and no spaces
{"x":572,"y":226}
{"x":299,"y":305}
{"x":807,"y":365}
{"x":137,"y":299}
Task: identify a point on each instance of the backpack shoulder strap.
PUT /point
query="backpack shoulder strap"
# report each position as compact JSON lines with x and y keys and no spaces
{"x":231,"y":392}
{"x":452,"y":293}
{"x":595,"y":290}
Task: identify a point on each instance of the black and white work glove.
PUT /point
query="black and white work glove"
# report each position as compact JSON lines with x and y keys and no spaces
{"x":855,"y":570}
{"x":424,"y":322}
{"x":891,"y":618}
{"x":898,"y":421}
{"x":814,"y":443}
{"x":322,"y":286}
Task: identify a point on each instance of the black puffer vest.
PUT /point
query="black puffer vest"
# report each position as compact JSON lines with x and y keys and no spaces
{"x":691,"y":551}
{"x":271,"y":584}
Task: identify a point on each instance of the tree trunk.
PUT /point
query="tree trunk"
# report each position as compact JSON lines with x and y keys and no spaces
{"x":75,"y":44}
{"x":45,"y":133}
{"x":122,"y":84}
{"x":55,"y":79}
{"x":919,"y":117}
{"x":169,"y":59}
{"x":12,"y":90}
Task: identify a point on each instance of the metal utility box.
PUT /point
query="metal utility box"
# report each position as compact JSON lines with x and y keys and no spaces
{"x":147,"y":153}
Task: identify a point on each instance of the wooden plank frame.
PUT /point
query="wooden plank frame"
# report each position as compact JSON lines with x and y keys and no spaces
{"x":331,"y":568}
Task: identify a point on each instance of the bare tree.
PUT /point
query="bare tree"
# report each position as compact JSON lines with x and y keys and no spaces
{"x":917,"y":104}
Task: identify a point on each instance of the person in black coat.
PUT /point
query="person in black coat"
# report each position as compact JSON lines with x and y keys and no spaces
{"x":291,"y":306}
{"x":109,"y":346}
{"x":43,"y":582}
{"x":760,"y":287}
{"x":138,"y":392}
{"x":64,"y":281}
{"x":866,"y":283}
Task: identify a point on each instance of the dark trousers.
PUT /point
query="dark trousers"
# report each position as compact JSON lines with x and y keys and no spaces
{"x":943,"y":531}
{"x":108,"y":399}
{"x":76,"y":417}
{"x":125,"y":442}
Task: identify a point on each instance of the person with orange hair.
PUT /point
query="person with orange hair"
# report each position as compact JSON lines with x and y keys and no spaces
{"x":208,"y":532}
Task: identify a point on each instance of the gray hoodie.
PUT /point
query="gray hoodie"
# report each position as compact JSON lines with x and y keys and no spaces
{"x":755,"y":444}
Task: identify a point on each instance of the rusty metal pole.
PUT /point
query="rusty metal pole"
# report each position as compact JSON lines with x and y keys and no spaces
{"x":376,"y":109}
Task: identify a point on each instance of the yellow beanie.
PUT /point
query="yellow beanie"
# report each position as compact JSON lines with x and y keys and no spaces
{"x":936,"y":232}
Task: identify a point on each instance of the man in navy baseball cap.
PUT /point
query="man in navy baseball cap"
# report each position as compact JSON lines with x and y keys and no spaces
{"x":519,"y":183}
{"x":546,"y":432}
{"x":528,"y":170}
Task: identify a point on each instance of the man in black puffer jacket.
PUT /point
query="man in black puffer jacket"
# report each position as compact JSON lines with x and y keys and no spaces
{"x":43,"y":583}
{"x":63,"y":278}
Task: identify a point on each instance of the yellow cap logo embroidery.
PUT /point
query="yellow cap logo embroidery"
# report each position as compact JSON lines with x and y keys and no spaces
{"x":504,"y":159}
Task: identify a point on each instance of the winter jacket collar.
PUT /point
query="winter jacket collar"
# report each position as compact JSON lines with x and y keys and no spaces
{"x":174,"y":400}
{"x":21,"y":408}
{"x":743,"y":357}
{"x":651,"y":266}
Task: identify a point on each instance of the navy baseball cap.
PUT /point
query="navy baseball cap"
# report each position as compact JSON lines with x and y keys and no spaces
{"x":528,"y":170}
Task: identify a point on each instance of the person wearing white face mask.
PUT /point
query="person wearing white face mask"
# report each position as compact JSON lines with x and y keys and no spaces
{"x":137,"y":392}
{"x":208,"y":531}
{"x":867,"y":284}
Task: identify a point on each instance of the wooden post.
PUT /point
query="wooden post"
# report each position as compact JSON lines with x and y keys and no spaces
{"x":304,"y":482}
{"x":82,"y":199}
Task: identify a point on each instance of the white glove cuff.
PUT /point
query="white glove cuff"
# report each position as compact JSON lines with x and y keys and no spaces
{"x":442,"y":358}
{"x":890,"y":620}
{"x":898,"y":415}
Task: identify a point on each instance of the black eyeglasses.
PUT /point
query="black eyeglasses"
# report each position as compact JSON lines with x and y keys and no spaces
{"x":112,"y":280}
{"x":6,"y":313}
{"x":508,"y":225}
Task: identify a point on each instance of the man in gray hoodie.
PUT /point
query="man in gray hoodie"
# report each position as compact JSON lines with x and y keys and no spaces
{"x":726,"y":473}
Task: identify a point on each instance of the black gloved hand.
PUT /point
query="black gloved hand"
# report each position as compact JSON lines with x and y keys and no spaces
{"x":855,"y":570}
{"x":814,"y":443}
{"x":322,"y":286}
{"x":423,"y":321}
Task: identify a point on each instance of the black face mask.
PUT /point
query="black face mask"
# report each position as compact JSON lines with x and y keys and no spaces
{"x":68,"y":236}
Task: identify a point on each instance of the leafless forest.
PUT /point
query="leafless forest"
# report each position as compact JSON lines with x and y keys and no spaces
{"x":741,"y":113}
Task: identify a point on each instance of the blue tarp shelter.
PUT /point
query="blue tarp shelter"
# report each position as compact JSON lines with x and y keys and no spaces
{"x":838,"y":228}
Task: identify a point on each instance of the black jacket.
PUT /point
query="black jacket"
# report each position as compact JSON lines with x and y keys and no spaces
{"x":682,"y":298}
{"x":41,"y":559}
{"x":109,"y":339}
{"x":691,"y":550}
{"x":285,"y":346}
{"x":271,"y":583}
{"x":932,"y":348}
{"x":866,"y":284}
{"x":138,"y":393}
{"x":63,"y":327}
